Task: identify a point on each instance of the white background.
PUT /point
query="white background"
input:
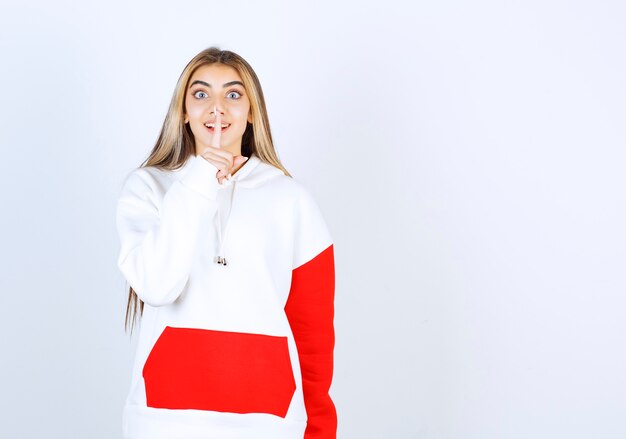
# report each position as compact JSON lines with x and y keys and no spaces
{"x":469,"y":160}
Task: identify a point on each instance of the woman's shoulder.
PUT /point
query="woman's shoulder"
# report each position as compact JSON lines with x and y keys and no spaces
{"x":146,"y":182}
{"x":299,"y":194}
{"x":291,"y":187}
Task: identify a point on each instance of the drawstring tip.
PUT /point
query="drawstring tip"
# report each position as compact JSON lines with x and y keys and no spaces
{"x":220,"y":260}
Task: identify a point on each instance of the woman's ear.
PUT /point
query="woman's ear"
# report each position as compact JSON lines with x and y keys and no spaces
{"x":250,"y":117}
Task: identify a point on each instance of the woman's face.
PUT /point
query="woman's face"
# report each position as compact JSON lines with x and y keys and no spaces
{"x":217,"y":85}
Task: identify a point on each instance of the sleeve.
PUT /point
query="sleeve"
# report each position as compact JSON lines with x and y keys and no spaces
{"x":159,"y":243}
{"x":310,"y":311}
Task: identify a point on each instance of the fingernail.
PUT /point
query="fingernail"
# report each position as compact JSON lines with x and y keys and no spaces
{"x":246,"y":158}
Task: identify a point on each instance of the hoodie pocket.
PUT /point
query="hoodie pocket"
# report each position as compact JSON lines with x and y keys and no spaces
{"x":191,"y":368}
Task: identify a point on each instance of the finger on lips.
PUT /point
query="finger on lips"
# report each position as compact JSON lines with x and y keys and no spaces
{"x":222,"y":174}
{"x":217,"y":129}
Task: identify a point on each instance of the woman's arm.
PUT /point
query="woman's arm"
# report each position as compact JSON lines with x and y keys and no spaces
{"x":158,"y":245}
{"x":310,"y":311}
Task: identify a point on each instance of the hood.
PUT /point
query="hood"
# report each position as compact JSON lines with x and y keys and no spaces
{"x":252,"y":173}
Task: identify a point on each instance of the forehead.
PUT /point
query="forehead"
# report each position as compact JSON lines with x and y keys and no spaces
{"x":216,"y":73}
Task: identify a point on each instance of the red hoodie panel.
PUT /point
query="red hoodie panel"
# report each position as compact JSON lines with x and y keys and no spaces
{"x":310,"y":311}
{"x":191,"y":368}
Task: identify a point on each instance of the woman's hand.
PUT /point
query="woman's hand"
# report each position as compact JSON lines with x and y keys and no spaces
{"x":223,"y":160}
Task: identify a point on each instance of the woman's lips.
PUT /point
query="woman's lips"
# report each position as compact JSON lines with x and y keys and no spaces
{"x":213,"y":129}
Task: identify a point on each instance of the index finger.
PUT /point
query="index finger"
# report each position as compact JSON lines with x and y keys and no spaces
{"x":217,"y":130}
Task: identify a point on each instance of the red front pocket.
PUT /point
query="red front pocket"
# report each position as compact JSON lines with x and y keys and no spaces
{"x":190,"y":368}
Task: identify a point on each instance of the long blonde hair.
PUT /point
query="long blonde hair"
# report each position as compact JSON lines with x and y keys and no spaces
{"x":176,"y":142}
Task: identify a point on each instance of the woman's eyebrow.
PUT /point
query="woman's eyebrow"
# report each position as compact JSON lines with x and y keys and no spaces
{"x":228,"y":84}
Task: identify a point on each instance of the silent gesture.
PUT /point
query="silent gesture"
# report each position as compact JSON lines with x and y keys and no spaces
{"x":222,"y":159}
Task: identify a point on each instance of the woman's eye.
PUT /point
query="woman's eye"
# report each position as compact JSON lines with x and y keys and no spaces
{"x":199,"y":92}
{"x":235,"y":92}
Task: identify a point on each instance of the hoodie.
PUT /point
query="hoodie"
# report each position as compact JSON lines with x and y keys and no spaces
{"x":236,"y":338}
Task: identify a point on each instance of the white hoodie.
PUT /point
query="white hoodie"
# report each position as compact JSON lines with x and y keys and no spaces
{"x":236,"y":350}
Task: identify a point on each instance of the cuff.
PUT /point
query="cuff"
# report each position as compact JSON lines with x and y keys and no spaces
{"x":200,"y":176}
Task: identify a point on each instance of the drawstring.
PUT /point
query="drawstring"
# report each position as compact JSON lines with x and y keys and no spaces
{"x":220,"y":258}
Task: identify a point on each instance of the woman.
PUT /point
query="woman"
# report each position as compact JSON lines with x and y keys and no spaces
{"x":231,"y":270}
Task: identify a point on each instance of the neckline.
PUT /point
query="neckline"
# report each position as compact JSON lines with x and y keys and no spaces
{"x":245,"y":168}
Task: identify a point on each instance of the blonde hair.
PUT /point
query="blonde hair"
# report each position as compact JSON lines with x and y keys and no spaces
{"x":176,"y":142}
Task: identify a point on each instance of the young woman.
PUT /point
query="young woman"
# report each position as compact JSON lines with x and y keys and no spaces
{"x":231,"y":271}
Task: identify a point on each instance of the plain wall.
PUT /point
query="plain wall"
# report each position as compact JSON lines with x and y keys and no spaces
{"x":468,"y":157}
